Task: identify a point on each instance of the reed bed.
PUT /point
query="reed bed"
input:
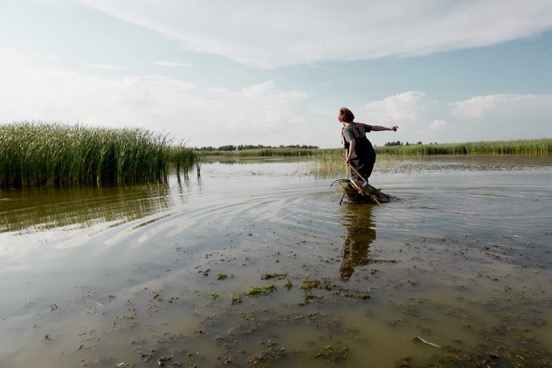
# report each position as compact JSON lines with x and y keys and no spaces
{"x":265,"y":152}
{"x":327,"y":162}
{"x":36,"y":154}
{"x":182,"y":158}
{"x":523,"y":147}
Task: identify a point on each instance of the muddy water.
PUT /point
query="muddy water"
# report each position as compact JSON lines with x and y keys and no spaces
{"x":257,"y":264}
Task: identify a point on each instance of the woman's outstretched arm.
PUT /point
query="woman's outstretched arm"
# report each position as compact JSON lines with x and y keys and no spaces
{"x":379,"y":128}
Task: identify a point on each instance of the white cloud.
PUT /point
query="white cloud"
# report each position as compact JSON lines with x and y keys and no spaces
{"x":506,"y":116}
{"x":438,"y":125}
{"x":105,"y":67}
{"x":479,"y":107}
{"x":257,"y":110}
{"x":261,"y":113}
{"x":259,"y":90}
{"x":401,"y":108}
{"x":171,"y":64}
{"x":216,"y":90}
{"x":269,"y":33}
{"x":494,"y":117}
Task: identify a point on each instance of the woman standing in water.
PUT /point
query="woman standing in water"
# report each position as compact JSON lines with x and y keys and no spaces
{"x":360,"y":153}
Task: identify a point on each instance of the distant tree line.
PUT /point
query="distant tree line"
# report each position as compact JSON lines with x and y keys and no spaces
{"x":399,"y":143}
{"x":242,"y":147}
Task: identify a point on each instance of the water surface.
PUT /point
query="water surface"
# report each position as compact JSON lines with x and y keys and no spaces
{"x":257,"y":264}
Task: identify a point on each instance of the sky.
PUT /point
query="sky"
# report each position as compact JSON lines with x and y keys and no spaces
{"x":231,"y":72}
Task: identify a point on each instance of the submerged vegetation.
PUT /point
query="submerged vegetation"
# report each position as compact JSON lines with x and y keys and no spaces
{"x":41,"y":154}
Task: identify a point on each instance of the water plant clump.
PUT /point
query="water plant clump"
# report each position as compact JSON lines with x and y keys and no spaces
{"x":276,"y":276}
{"x":254,"y":291}
{"x":43,"y":154}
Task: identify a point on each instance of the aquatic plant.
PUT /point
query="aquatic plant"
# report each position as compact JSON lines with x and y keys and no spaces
{"x":310,"y":284}
{"x":35,"y":154}
{"x":256,"y":291}
{"x":182,"y":157}
{"x":326,"y":163}
{"x":253,"y":291}
{"x":277,"y":276}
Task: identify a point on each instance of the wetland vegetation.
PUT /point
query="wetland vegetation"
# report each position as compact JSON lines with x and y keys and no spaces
{"x":41,"y":154}
{"x":519,"y":147}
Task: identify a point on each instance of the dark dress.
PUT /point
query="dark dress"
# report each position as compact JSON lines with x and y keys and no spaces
{"x":364,"y":157}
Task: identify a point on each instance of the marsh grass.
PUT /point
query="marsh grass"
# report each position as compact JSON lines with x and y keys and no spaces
{"x":182,"y":158}
{"x":265,"y":152}
{"x":522,"y":147}
{"x":519,"y":147}
{"x":327,"y":162}
{"x":37,"y":154}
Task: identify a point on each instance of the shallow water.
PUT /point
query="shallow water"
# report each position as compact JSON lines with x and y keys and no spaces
{"x":257,"y":264}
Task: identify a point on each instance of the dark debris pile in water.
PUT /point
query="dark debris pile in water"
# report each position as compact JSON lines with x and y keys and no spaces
{"x":356,"y":193}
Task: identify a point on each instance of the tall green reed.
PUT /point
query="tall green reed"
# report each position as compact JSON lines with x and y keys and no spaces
{"x":34,"y":154}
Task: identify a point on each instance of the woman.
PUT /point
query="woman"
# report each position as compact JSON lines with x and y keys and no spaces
{"x":360,"y":153}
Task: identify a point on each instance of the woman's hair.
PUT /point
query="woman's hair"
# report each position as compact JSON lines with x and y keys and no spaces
{"x":346,"y":115}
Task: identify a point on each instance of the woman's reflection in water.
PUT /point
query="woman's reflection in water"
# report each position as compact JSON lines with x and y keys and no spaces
{"x":359,"y":234}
